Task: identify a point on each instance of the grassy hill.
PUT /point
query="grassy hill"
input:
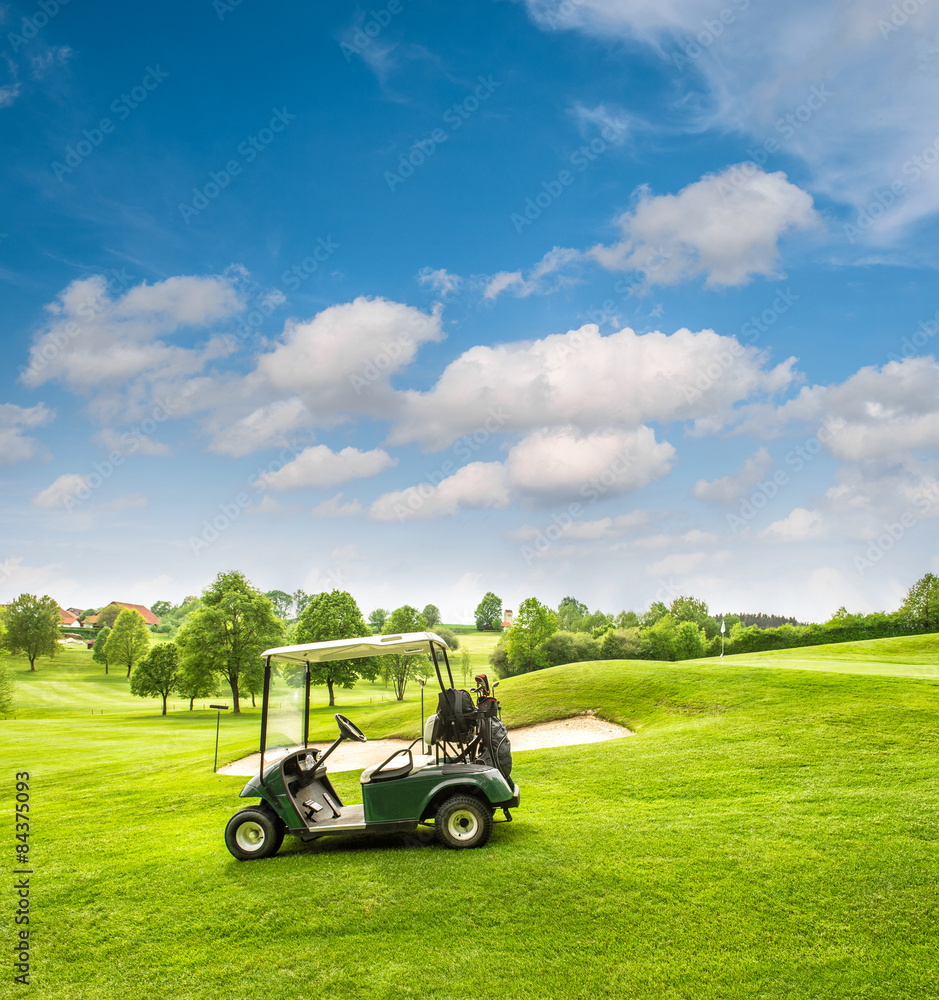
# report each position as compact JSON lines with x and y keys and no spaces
{"x":768,"y":832}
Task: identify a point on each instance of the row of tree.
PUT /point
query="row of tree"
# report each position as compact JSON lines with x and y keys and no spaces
{"x":221,"y":639}
{"x":542,"y":637}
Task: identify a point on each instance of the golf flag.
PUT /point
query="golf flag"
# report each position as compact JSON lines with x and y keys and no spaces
{"x":723,"y":630}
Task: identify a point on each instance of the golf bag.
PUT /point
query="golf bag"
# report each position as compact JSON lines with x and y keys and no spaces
{"x":457,"y":715}
{"x":495,"y":748}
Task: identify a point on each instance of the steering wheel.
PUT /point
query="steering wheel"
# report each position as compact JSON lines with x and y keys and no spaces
{"x":350,"y":730}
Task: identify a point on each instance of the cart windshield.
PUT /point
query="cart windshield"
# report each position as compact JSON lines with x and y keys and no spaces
{"x":285,"y":714}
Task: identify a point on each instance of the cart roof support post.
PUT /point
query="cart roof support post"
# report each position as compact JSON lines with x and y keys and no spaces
{"x":433,"y":653}
{"x":264,"y":702}
{"x":306,"y":709}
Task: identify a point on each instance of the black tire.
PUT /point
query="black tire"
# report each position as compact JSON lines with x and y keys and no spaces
{"x":254,"y":833}
{"x":463,"y":822}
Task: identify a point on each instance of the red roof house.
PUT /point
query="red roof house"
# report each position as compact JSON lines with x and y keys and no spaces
{"x":148,"y":616}
{"x":67,"y":618}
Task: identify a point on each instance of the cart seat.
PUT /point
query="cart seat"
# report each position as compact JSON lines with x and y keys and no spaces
{"x":389,"y":769}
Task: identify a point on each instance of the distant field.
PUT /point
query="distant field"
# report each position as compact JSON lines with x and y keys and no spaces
{"x":903,"y":656}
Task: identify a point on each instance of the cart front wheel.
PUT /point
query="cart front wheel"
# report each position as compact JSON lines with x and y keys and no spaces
{"x":254,"y":833}
{"x":463,"y":821}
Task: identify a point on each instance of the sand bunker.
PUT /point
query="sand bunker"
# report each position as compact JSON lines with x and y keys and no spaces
{"x":350,"y":756}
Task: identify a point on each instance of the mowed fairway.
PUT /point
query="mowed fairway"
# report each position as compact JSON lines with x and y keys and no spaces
{"x":767,"y":833}
{"x":903,"y":656}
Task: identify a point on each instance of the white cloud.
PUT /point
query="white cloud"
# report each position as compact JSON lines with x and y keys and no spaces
{"x":800,"y":525}
{"x":725,"y":226}
{"x":559,"y":464}
{"x":334,"y":507}
{"x":17,"y":578}
{"x":730,"y":488}
{"x":11,"y":91}
{"x":44,"y":61}
{"x":804,"y":74}
{"x":589,"y":381}
{"x":15,"y":446}
{"x":868,"y":497}
{"x":320,"y":466}
{"x":269,"y":505}
{"x":676,"y":563}
{"x":499,"y":282}
{"x":548,"y":466}
{"x":548,"y":275}
{"x":611,"y":121}
{"x":590,"y":531}
{"x":266,"y":427}
{"x":68,"y":485}
{"x":342,"y":358}
{"x":479,"y":484}
{"x":877,"y":413}
{"x":130,"y":443}
{"x":441,"y":281}
{"x":130,"y":501}
{"x":110,"y":343}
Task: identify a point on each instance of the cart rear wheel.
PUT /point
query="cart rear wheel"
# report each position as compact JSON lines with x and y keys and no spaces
{"x":254,"y":833}
{"x":463,"y":821}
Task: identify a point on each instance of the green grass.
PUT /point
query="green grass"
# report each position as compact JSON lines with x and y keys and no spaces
{"x":768,"y":833}
{"x":906,"y":656}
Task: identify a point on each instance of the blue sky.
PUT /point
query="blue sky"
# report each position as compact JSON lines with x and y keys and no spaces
{"x":600,"y":298}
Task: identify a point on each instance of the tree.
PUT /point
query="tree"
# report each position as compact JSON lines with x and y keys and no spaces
{"x":620,"y":644}
{"x":690,"y":641}
{"x":233,"y":624}
{"x":693,"y":609}
{"x":626,"y":619}
{"x":129,"y":640}
{"x":534,"y":624}
{"x":252,"y":680}
{"x":157,"y":674}
{"x":596,"y":624}
{"x":175,"y":615}
{"x":431,"y":615}
{"x":108,"y":615}
{"x":161,"y":608}
{"x":377,"y":619}
{"x":465,"y":665}
{"x":570,"y":613}
{"x":657,"y":642}
{"x":6,"y":681}
{"x":400,"y":667}
{"x":449,"y":637}
{"x":282,"y":602}
{"x":489,"y":612}
{"x":566,"y":647}
{"x":334,"y":615}
{"x":99,"y":651}
{"x":920,"y":607}
{"x":196,"y":680}
{"x":300,"y":600}
{"x":31,"y":626}
{"x":655,"y":612}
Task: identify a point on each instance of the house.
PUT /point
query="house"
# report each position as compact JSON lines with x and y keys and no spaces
{"x":507,"y":618}
{"x":66,"y":618}
{"x":148,"y":616}
{"x":77,"y":612}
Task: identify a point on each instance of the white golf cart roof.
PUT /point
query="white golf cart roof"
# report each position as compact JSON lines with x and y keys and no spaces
{"x":403,"y":643}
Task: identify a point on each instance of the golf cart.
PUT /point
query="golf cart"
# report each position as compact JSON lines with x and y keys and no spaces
{"x":457,"y":786}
